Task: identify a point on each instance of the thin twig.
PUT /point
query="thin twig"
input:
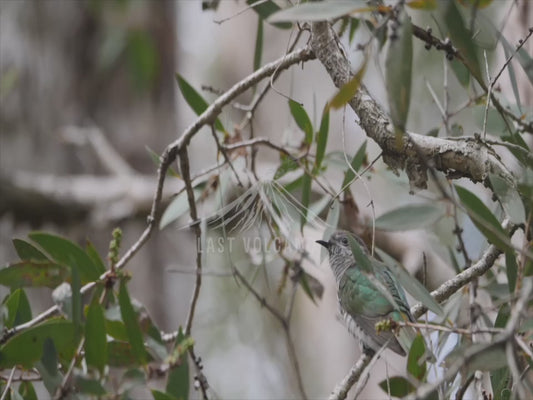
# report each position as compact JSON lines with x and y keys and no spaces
{"x":186,"y":175}
{"x":225,"y":155}
{"x":267,"y":142}
{"x":282,"y":320}
{"x":251,"y":6}
{"x":502,"y":339}
{"x":451,"y":286}
{"x":169,"y":156}
{"x":433,"y":327}
{"x":8,"y":383}
{"x":463,"y":388}
{"x":341,"y":390}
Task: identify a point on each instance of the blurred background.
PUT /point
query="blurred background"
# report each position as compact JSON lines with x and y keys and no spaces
{"x":83,"y":81}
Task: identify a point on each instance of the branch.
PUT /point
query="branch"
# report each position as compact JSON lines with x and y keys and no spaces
{"x":500,"y":340}
{"x":106,"y":153}
{"x":342,"y":389}
{"x":453,"y":285}
{"x":185,"y":173}
{"x":210,"y":114}
{"x":38,"y":198}
{"x":170,"y":155}
{"x":469,"y":159}
{"x":284,"y":322}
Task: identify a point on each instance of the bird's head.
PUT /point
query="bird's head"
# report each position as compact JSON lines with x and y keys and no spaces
{"x":339,"y":247}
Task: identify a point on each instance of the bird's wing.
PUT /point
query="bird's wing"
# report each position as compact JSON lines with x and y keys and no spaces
{"x":397,"y":292}
{"x":358,"y":295}
{"x":365,"y":329}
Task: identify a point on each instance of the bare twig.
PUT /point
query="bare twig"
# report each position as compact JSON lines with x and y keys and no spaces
{"x":415,"y":154}
{"x":169,"y":156}
{"x":285,"y":323}
{"x":341,"y":390}
{"x":503,"y":339}
{"x":8,"y":383}
{"x":185,"y":173}
{"x":268,"y":143}
{"x":225,"y":155}
{"x":451,"y":286}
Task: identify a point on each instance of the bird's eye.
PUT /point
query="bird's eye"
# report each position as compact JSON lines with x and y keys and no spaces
{"x":344,"y":241}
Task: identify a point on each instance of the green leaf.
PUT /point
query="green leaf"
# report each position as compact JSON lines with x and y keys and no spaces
{"x":356,"y":163}
{"x":302,"y":120}
{"x":500,"y":381}
{"x":526,"y":62}
{"x":306,"y":196}
{"x":95,"y":337}
{"x":49,"y":358}
{"x":177,"y":207}
{"x":480,"y":356}
{"x":495,"y":123}
{"x":178,"y":377}
{"x":27,"y":251}
{"x":89,"y":386}
{"x":483,"y":219}
{"x":33,"y":274}
{"x":132,"y":378}
{"x":423,"y":4}
{"x":120,"y":354}
{"x":304,"y":282}
{"x":354,"y":24}
{"x":18,"y":309}
{"x":157,"y":161}
{"x":509,"y":199}
{"x":75,"y":284}
{"x":66,"y":252}
{"x":461,"y":72}
{"x":412,"y":216}
{"x":398,"y":66}
{"x":288,"y":164}
{"x":319,"y":11}
{"x":142,"y":58}
{"x":116,"y":329}
{"x":47,"y":367}
{"x":509,"y":51}
{"x":348,"y":90}
{"x":433,"y":132}
{"x":398,"y":386}
{"x":26,"y":347}
{"x":295,"y":184}
{"x":194,"y":100}
{"x":132,"y":324}
{"x":95,"y":257}
{"x":503,"y":316}
{"x":411,"y":284}
{"x":511,"y":268}
{"x":322,"y":139}
{"x":161,"y":396}
{"x":27,"y":391}
{"x":13,"y":394}
{"x":265,"y":9}
{"x":258,"y":51}
{"x":414,"y":365}
{"x":462,"y":39}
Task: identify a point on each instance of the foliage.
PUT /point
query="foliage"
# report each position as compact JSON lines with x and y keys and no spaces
{"x":97,"y":326}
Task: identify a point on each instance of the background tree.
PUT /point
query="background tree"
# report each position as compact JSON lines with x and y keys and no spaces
{"x":279,"y":158}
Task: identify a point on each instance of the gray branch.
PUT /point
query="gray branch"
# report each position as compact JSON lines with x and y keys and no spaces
{"x":416,"y":153}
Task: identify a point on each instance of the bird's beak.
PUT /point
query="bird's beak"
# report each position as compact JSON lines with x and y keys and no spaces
{"x":323,"y":243}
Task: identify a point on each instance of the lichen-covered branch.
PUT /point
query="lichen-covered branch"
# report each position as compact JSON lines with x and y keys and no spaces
{"x":415,"y":153}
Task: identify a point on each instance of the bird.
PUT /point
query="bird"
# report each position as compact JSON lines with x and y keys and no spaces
{"x":361,"y":296}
